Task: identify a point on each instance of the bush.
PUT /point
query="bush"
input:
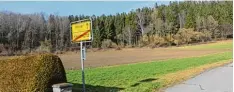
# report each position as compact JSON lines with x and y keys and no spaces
{"x":129,"y":46}
{"x":26,"y":51}
{"x":207,"y":35}
{"x":45,"y":47}
{"x":202,"y":36}
{"x":3,"y":50}
{"x":107,"y":43}
{"x":169,"y":39}
{"x":177,"y":39}
{"x":157,"y":41}
{"x":59,"y":52}
{"x":184,"y":36}
{"x":31,"y":73}
{"x":196,"y":36}
{"x":144,"y":41}
{"x":118,"y":48}
{"x":121,"y":45}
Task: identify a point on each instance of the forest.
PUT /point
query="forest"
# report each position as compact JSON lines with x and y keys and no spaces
{"x":178,"y":23}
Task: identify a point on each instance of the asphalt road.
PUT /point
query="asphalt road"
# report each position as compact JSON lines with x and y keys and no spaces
{"x":216,"y":80}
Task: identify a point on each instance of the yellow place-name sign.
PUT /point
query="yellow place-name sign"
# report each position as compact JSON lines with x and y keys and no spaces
{"x":81,"y":31}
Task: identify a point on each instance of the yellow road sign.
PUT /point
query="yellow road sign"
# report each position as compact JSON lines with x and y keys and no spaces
{"x":81,"y":31}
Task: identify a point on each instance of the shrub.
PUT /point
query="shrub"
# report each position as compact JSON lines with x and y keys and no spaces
{"x":198,"y":37}
{"x":118,"y":48}
{"x":26,"y":51}
{"x":45,"y":47}
{"x":144,"y":40}
{"x":207,"y":35}
{"x":121,"y":45}
{"x":31,"y":73}
{"x":177,"y":39}
{"x":3,"y":50}
{"x":169,"y":39}
{"x":157,"y":41}
{"x":129,"y":46}
{"x":59,"y":52}
{"x":185,"y":35}
{"x":107,"y":43}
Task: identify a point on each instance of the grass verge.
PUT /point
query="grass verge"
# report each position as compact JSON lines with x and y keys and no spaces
{"x":140,"y":77}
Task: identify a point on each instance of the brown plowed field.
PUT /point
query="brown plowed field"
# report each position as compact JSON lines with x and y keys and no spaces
{"x":133,"y":55}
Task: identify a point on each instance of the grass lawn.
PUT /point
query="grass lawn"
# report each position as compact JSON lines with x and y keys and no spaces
{"x":137,"y":77}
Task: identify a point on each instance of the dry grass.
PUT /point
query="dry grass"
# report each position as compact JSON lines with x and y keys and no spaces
{"x":177,"y":77}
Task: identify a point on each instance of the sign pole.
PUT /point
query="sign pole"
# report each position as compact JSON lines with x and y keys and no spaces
{"x":82,"y":63}
{"x":81,"y":31}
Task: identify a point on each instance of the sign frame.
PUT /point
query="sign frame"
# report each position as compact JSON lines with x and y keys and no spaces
{"x":91,"y":30}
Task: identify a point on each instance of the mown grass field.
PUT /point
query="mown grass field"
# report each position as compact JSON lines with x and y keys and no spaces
{"x":139,"y":77}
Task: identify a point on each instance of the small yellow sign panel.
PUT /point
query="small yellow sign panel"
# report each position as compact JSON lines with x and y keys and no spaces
{"x":81,"y":31}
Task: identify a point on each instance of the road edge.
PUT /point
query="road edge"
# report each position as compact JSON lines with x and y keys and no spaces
{"x":171,"y":79}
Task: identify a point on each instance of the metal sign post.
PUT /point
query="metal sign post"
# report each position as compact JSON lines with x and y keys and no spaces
{"x":82,"y":53}
{"x":81,"y":32}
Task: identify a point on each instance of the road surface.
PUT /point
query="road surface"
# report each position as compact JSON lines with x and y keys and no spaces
{"x":216,"y":80}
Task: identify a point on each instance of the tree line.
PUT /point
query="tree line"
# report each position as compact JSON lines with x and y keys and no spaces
{"x":162,"y":25}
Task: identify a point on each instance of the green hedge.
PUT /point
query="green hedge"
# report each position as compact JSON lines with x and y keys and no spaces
{"x":31,"y":73}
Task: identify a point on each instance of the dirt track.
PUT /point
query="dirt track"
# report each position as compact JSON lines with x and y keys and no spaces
{"x":126,"y":56}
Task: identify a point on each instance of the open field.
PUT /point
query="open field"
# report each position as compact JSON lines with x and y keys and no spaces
{"x":141,"y":77}
{"x":133,"y":55}
{"x":144,"y":69}
{"x":160,"y":71}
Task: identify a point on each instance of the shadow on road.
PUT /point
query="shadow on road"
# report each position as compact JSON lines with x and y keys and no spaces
{"x":90,"y":88}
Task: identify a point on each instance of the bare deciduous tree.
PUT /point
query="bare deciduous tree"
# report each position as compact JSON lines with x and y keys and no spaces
{"x":141,"y":20}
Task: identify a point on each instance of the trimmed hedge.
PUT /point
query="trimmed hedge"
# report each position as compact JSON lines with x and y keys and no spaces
{"x":31,"y":73}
